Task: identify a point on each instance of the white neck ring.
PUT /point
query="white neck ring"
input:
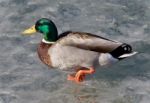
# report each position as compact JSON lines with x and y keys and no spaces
{"x":47,"y":42}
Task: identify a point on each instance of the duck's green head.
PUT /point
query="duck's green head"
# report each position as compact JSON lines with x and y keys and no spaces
{"x":46,"y":27}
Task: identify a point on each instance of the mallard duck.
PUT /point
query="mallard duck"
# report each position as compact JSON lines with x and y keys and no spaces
{"x":76,"y":51}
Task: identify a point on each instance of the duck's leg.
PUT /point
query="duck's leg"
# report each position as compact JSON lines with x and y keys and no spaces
{"x":72,"y":77}
{"x":80,"y":75}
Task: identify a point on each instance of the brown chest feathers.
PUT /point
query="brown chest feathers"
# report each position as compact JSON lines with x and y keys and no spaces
{"x":43,"y":53}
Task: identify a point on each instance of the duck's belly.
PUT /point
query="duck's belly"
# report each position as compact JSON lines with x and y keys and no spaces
{"x":67,"y":57}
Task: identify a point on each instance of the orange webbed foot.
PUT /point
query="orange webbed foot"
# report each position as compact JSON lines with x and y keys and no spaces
{"x":80,"y":75}
{"x":75,"y":78}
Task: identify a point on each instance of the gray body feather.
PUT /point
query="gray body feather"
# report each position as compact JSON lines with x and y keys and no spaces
{"x":80,"y":50}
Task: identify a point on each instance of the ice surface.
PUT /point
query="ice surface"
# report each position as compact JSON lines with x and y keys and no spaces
{"x":24,"y":79}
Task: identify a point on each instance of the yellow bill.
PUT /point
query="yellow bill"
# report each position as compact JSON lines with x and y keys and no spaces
{"x":30,"y":31}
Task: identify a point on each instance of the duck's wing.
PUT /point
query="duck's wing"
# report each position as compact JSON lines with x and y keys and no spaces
{"x":88,"y":41}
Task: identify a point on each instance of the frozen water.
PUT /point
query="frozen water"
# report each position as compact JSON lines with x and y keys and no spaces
{"x":24,"y":79}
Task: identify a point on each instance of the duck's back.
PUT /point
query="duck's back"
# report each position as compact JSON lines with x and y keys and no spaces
{"x":88,"y":41}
